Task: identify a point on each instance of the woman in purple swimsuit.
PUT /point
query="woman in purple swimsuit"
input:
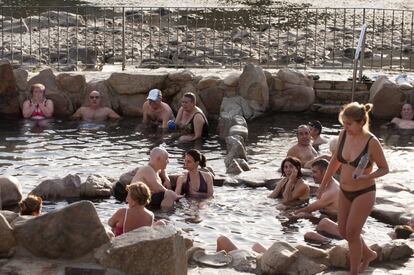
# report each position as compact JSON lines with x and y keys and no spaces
{"x":136,"y":215}
{"x":357,"y":195}
{"x":195,"y":183}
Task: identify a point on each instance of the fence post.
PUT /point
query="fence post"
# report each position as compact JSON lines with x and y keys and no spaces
{"x":361,"y":64}
{"x":123,"y":38}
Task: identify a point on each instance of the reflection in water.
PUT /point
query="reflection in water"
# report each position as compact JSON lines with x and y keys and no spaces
{"x":244,"y":214}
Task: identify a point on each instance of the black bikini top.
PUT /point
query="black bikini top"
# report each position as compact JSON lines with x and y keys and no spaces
{"x":355,"y":161}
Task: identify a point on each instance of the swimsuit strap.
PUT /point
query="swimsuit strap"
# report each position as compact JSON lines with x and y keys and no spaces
{"x":203,"y":184}
{"x":340,"y":149}
{"x":125,"y":218}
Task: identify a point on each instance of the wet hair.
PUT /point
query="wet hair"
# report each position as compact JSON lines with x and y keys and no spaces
{"x":356,"y":112}
{"x":139,"y":192}
{"x":191,"y":96}
{"x":295,"y":162}
{"x":403,"y":231}
{"x":31,"y":205}
{"x":321,"y":164}
{"x":37,"y":85}
{"x":197,"y":156}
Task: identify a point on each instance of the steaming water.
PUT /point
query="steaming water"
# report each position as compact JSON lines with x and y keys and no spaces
{"x":244,"y":214}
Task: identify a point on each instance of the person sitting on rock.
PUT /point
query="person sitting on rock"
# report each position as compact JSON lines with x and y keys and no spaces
{"x":195,"y":183}
{"x":403,"y":231}
{"x":136,"y":215}
{"x":38,"y":106}
{"x":94,"y":111}
{"x":191,"y":119}
{"x":303,"y":150}
{"x":154,"y":111}
{"x":315,"y":128}
{"x":154,"y":175}
{"x":291,"y":188}
{"x":328,"y":202}
{"x":406,"y":121}
{"x":31,"y":206}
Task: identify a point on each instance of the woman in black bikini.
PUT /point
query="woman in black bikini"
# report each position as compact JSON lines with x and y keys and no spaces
{"x":191,"y":119}
{"x":357,"y":195}
{"x":291,"y":187}
{"x":195,"y":182}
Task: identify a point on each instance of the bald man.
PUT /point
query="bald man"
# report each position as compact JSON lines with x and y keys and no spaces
{"x":95,"y":112}
{"x":155,"y":177}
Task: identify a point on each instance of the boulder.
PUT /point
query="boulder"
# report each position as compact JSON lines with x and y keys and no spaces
{"x":294,"y":98}
{"x":130,"y":84}
{"x":395,"y":250}
{"x":62,"y":104}
{"x":255,"y":178}
{"x":10,"y":191}
{"x":304,"y":265}
{"x":295,"y":77}
{"x":68,"y":187}
{"x":388,"y":213}
{"x":68,"y":232}
{"x":278,"y":258}
{"x":208,"y":82}
{"x":253,"y":87}
{"x":232,"y":79}
{"x":127,"y":177}
{"x":235,"y":149}
{"x":9,"y":215}
{"x":243,"y":260}
{"x":243,"y":164}
{"x":7,"y":240}
{"x":146,"y":250}
{"x":131,"y":105}
{"x":387,"y":98}
{"x":73,"y":85}
{"x":20,"y":75}
{"x":339,"y":255}
{"x":237,"y":105}
{"x":9,"y":103}
{"x":226,"y":121}
{"x":181,"y":76}
{"x":232,"y":167}
{"x":212,"y":98}
{"x":96,"y":186}
{"x":240,"y":131}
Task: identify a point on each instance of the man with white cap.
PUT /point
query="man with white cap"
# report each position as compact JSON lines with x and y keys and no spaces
{"x":156,"y":112}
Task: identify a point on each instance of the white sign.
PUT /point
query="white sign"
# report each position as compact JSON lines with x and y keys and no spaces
{"x":360,"y":41}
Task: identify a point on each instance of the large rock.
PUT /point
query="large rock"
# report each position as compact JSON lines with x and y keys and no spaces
{"x":339,"y":255}
{"x":304,"y":265}
{"x":9,"y":103}
{"x":127,"y":177}
{"x":10,"y":191}
{"x":240,"y":131}
{"x":395,"y":250}
{"x":20,"y":75}
{"x":131,"y":105}
{"x":226,"y":121}
{"x":253,"y":87}
{"x":68,"y":232}
{"x":388,"y":213}
{"x":256,"y":178}
{"x":278,"y":258}
{"x":181,"y":76}
{"x":237,"y":105}
{"x":68,"y":187}
{"x":146,"y":250}
{"x":9,"y":215}
{"x":96,"y":186}
{"x":387,"y":98}
{"x":7,"y":240}
{"x":294,"y":98}
{"x":74,"y":86}
{"x":62,"y":103}
{"x":235,"y":149}
{"x":208,"y":82}
{"x":295,"y":77}
{"x":212,"y":98}
{"x":129,"y":84}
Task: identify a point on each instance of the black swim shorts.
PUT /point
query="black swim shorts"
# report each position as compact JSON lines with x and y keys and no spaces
{"x":156,"y":200}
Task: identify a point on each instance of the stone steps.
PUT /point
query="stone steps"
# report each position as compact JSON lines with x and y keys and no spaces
{"x":340,"y":96}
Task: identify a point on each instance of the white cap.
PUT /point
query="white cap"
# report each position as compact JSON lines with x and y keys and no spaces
{"x":154,"y":95}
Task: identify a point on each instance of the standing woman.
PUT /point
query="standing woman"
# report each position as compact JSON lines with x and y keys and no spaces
{"x":195,"y":182}
{"x":291,"y":187}
{"x":38,"y":106}
{"x":357,"y":195}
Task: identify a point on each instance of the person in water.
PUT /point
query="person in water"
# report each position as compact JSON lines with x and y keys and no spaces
{"x":406,"y":121}
{"x":154,"y":175}
{"x":32,"y":205}
{"x":291,"y":188}
{"x":315,"y":130}
{"x":94,"y":111}
{"x":136,"y":215}
{"x":357,"y":195}
{"x":191,"y":119}
{"x":38,"y":106}
{"x":303,"y":150}
{"x":328,"y":201}
{"x":195,"y":183}
{"x":154,"y":111}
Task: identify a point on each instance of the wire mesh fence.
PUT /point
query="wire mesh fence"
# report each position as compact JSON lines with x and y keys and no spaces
{"x":70,"y":38}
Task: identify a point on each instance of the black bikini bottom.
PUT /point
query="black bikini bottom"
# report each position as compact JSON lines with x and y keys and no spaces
{"x":352,"y":195}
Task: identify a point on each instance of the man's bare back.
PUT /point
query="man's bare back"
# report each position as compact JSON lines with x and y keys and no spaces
{"x":148,"y":175}
{"x":303,"y":153}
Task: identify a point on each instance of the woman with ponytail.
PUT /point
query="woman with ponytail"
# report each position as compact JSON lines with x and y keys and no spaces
{"x":195,"y":182}
{"x":357,"y":150}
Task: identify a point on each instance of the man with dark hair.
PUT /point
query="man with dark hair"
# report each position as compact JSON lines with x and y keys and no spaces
{"x":303,"y":150}
{"x":315,"y":128}
{"x":328,"y":201}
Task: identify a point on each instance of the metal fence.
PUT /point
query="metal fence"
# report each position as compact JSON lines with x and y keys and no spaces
{"x":70,"y":38}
